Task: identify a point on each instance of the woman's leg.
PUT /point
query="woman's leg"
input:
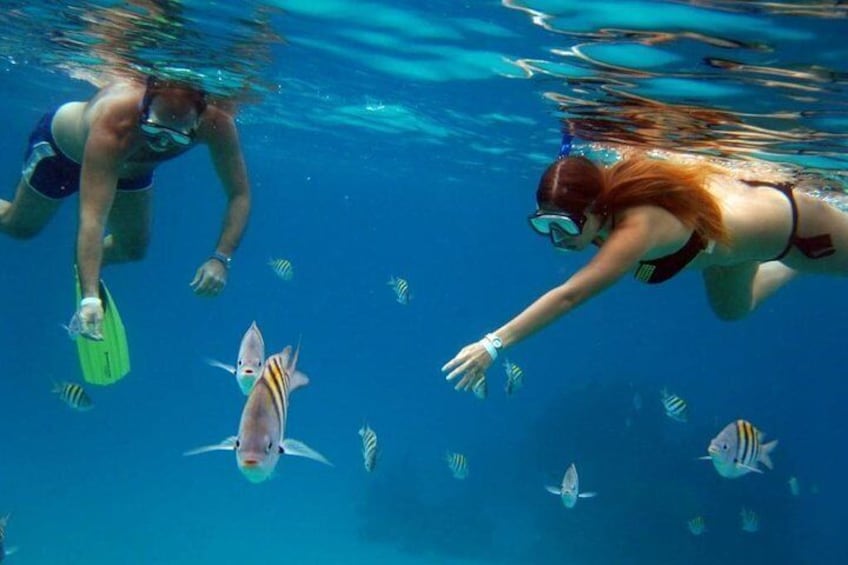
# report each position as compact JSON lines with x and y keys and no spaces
{"x":734,"y":292}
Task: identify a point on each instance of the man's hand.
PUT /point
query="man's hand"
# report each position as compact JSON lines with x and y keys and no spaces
{"x":210,"y":278}
{"x":87,"y":321}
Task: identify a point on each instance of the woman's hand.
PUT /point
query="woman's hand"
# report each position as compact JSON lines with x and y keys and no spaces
{"x":210,"y":279}
{"x":469,"y":365}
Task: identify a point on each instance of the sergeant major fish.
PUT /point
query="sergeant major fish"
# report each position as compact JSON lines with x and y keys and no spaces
{"x":282,"y":268}
{"x":697,"y":525}
{"x":514,"y":377}
{"x":250,"y":360}
{"x":261,"y":437}
{"x":73,"y":395}
{"x":369,"y":447}
{"x":401,"y":289}
{"x":569,"y":490}
{"x":738,"y":449}
{"x":749,"y":521}
{"x":458,"y":464}
{"x":481,"y":388}
{"x":675,"y":407}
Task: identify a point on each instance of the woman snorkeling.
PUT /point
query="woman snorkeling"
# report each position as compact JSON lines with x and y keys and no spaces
{"x":655,"y":218}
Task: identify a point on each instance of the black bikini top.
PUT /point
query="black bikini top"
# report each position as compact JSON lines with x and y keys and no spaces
{"x":663,"y":268}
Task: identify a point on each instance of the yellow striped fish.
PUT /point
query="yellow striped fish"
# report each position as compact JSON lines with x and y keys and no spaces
{"x":73,"y":395}
{"x":514,"y":377}
{"x":738,"y":449}
{"x":675,"y":407}
{"x":369,"y":447}
{"x":750,"y":522}
{"x":458,"y":464}
{"x":261,"y":438}
{"x":282,"y":268}
{"x":697,"y":525}
{"x":401,"y":289}
{"x":481,"y":388}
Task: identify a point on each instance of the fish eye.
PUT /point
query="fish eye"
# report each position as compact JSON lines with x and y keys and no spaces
{"x":724,"y":447}
{"x":237,"y":444}
{"x":269,"y":447}
{"x":240,"y":362}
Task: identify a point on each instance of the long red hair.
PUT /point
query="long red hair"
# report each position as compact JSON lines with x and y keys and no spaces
{"x":574,"y":183}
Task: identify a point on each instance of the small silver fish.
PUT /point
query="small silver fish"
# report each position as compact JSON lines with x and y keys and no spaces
{"x":738,"y":449}
{"x":794,"y":486}
{"x":73,"y":395}
{"x":569,"y":490}
{"x":401,"y":289}
{"x":282,"y":268}
{"x":261,"y":437}
{"x":481,"y":388}
{"x":250,"y":360}
{"x":675,"y":407}
{"x":369,"y":447}
{"x":458,"y":464}
{"x":514,"y":377}
{"x":750,"y":522}
{"x":697,"y":525}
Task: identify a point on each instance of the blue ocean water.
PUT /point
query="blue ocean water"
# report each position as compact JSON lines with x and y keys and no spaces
{"x":406,"y":139}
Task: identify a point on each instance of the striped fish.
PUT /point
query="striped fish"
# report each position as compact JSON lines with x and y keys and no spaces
{"x":750,"y":522}
{"x":481,"y":388}
{"x":5,"y":551}
{"x":675,"y":407}
{"x":282,"y":268}
{"x":458,"y":464}
{"x":261,"y":438}
{"x":569,"y":489}
{"x":697,"y":525}
{"x":514,"y":377}
{"x":369,"y":447}
{"x":401,"y":289}
{"x":738,"y":449}
{"x":73,"y":395}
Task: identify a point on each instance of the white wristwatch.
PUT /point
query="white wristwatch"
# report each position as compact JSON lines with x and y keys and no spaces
{"x":492,"y":344}
{"x":496,"y":341}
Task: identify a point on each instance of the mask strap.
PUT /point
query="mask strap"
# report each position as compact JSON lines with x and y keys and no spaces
{"x":565,"y":146}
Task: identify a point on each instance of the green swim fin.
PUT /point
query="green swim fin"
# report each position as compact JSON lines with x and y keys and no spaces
{"x":108,"y":361}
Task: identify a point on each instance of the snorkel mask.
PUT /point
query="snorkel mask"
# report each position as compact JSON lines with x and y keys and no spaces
{"x":559,"y":225}
{"x":160,"y":136}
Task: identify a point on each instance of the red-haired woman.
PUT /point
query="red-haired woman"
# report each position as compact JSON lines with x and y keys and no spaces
{"x":656,"y":218}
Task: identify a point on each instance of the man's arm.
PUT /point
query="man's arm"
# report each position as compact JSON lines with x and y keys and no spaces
{"x":222,"y":137}
{"x":98,"y":180}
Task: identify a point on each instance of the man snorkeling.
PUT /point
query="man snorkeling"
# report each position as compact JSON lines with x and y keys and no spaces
{"x":107,"y":149}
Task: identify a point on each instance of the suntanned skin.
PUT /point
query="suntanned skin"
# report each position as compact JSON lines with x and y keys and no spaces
{"x":737,"y":276}
{"x":103,"y":134}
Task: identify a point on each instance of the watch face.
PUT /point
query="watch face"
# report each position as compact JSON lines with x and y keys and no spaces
{"x":496,"y":341}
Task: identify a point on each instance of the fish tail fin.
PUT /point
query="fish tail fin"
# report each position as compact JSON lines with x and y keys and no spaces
{"x":765,"y":453}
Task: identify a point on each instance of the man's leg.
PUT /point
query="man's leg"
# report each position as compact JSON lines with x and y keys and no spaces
{"x":27,"y":214}
{"x":129,"y":227}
